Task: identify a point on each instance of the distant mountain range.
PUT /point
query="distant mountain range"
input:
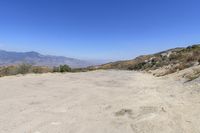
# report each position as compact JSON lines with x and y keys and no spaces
{"x":37,"y":59}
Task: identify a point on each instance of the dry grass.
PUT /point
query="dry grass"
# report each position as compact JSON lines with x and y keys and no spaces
{"x":22,"y":69}
{"x":194,"y":75}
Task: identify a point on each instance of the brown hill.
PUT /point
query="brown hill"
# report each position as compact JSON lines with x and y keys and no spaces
{"x":170,"y":60}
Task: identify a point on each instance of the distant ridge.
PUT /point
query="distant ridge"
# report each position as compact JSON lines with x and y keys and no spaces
{"x":37,"y":59}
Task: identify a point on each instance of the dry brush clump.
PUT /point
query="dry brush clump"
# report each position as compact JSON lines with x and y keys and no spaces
{"x":22,"y":69}
{"x":194,"y":75}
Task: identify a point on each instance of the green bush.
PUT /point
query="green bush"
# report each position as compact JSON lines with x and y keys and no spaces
{"x":62,"y":69}
{"x":65,"y":68}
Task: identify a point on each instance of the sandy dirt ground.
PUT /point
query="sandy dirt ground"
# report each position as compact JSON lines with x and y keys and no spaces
{"x":98,"y":102}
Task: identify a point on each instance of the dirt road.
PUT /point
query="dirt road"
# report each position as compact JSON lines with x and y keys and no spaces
{"x":98,"y":102}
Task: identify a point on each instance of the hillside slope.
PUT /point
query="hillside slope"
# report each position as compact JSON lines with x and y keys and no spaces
{"x":170,"y":60}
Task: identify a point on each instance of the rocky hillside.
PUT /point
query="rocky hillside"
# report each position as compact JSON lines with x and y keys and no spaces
{"x":37,"y":59}
{"x":164,"y":63}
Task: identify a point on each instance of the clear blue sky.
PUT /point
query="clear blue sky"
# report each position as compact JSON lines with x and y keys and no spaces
{"x":98,"y":29}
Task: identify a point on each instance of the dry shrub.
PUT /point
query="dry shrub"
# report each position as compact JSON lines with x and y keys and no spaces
{"x":10,"y":70}
{"x":22,"y":69}
{"x":37,"y":69}
{"x":194,"y":75}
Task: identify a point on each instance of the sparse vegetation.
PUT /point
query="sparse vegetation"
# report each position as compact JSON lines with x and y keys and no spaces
{"x":65,"y":68}
{"x":173,"y":60}
{"x":194,"y":75}
{"x":40,"y":69}
{"x":27,"y":68}
{"x":62,"y":69}
{"x":22,"y":69}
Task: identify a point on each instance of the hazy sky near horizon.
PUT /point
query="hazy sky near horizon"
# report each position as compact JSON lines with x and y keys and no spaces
{"x":98,"y":29}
